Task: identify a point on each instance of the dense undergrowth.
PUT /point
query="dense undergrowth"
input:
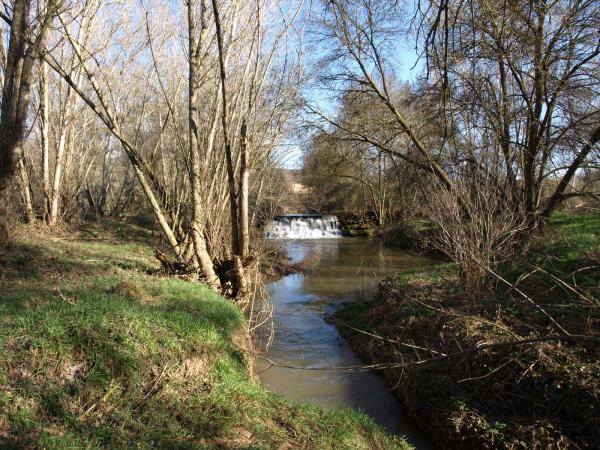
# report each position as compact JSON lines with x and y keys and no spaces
{"x":97,"y":350}
{"x":492,"y":391}
{"x":405,"y":235}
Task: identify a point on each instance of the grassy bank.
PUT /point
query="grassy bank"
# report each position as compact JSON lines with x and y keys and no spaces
{"x":98,"y":351}
{"x":405,"y":235}
{"x":491,"y":392}
{"x":410,"y":235}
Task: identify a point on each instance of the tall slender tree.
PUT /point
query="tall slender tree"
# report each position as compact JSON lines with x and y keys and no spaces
{"x":26,"y":44}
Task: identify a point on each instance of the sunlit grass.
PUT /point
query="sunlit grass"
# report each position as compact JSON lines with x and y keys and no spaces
{"x":97,"y":352}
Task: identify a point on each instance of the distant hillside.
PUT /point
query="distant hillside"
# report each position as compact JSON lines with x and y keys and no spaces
{"x":294,"y":200}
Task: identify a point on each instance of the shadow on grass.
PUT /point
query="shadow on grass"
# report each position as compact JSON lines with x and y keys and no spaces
{"x":96,"y":354}
{"x":112,"y":230}
{"x":68,"y":261}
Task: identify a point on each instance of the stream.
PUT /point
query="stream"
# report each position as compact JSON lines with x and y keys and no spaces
{"x":345,"y":270}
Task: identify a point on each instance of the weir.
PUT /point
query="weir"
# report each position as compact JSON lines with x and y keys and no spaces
{"x":303,"y":226}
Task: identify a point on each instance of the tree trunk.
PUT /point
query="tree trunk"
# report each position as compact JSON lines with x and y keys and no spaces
{"x":241,"y":288}
{"x":26,"y":193}
{"x":45,"y":135}
{"x":56,"y":180}
{"x":558,"y":194}
{"x":23,"y":51}
{"x":533,"y":130}
{"x":91,"y":200}
{"x":142,"y":170}
{"x":199,"y":242}
{"x":243,"y":190}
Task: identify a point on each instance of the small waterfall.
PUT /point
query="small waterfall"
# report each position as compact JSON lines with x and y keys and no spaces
{"x":303,"y":226}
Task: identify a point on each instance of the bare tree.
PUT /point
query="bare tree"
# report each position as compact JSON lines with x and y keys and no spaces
{"x":197,"y":227}
{"x":510,"y":86}
{"x":528,"y":96}
{"x":26,"y":44}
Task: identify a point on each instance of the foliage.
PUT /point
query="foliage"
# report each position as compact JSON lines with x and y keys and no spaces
{"x":353,"y":175}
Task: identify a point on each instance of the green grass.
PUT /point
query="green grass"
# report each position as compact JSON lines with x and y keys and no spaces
{"x":568,"y":247}
{"x":96,"y":352}
{"x":568,"y":238}
{"x":567,"y":244}
{"x":406,"y":235}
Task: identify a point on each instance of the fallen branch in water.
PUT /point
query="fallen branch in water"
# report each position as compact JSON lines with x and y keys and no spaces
{"x":381,"y":366}
{"x":404,"y":344}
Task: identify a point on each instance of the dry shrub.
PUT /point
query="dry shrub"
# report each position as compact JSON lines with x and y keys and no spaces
{"x":478,"y":233}
{"x":259,"y":312}
{"x":268,"y":263}
{"x":131,"y":291}
{"x":309,"y":263}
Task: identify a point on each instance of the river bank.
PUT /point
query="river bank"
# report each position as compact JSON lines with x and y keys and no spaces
{"x":99,"y":350}
{"x":492,"y":379}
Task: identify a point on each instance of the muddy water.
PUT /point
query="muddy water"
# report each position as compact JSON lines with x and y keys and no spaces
{"x":346,"y":270}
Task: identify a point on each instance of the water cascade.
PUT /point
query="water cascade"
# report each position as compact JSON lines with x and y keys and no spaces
{"x":303,"y":226}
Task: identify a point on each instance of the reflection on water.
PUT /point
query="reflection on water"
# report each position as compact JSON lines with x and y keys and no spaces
{"x":346,"y":270}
